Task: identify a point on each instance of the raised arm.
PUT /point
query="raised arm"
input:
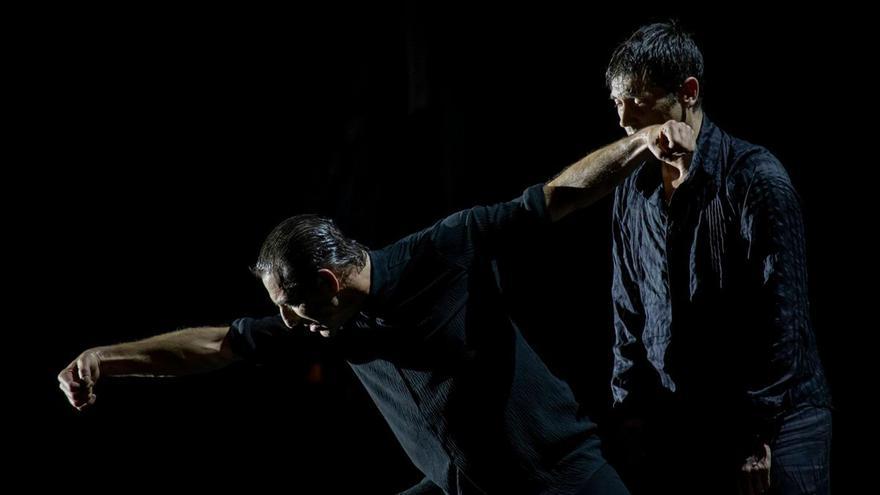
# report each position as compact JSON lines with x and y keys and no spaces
{"x":596,"y":175}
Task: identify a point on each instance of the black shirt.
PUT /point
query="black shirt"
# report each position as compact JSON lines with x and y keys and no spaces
{"x":710,"y":290}
{"x":471,"y":403}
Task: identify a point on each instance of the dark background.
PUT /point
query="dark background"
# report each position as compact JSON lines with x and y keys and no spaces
{"x":164,"y":145}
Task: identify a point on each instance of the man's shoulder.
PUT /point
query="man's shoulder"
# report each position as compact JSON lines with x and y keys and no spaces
{"x":748,"y":162}
{"x":749,"y":167}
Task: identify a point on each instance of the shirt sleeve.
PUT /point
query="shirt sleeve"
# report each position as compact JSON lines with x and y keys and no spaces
{"x":486,"y":229}
{"x":772,"y":226}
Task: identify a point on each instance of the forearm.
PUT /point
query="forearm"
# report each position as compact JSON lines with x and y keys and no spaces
{"x":184,"y":352}
{"x":596,"y":175}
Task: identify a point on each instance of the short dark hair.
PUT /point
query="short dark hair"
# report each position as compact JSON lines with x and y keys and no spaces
{"x":301,"y":245}
{"x":660,"y":54}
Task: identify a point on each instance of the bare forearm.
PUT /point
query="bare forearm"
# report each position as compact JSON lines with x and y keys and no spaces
{"x":184,"y":352}
{"x":595,"y":175}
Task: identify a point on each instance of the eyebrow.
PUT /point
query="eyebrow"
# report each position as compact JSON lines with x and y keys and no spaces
{"x":631,"y":95}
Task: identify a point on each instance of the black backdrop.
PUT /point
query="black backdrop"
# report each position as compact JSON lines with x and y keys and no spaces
{"x":166,"y":144}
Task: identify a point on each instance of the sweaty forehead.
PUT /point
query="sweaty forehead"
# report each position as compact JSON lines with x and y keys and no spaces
{"x":628,"y":86}
{"x":622,"y":86}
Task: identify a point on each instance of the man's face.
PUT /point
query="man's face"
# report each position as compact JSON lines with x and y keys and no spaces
{"x":312,"y":312}
{"x":641,"y":105}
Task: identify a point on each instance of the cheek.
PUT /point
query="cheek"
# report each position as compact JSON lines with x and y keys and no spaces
{"x":309,"y":311}
{"x":666,"y":110}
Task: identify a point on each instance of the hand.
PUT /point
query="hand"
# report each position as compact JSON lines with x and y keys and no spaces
{"x":673,"y":143}
{"x":78,"y":379}
{"x":754,"y":476}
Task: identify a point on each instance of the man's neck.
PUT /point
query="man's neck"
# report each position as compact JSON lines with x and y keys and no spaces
{"x":357,"y":287}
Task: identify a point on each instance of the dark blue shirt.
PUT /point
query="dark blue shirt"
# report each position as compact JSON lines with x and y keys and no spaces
{"x":710,"y":290}
{"x":471,"y":403}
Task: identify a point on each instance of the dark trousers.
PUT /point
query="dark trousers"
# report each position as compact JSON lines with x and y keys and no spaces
{"x":801,"y":453}
{"x":673,"y":450}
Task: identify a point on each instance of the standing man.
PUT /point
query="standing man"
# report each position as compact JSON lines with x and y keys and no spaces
{"x":716,"y":372}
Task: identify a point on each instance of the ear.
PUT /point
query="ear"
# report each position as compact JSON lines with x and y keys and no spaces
{"x":689,"y":92}
{"x":328,"y":283}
